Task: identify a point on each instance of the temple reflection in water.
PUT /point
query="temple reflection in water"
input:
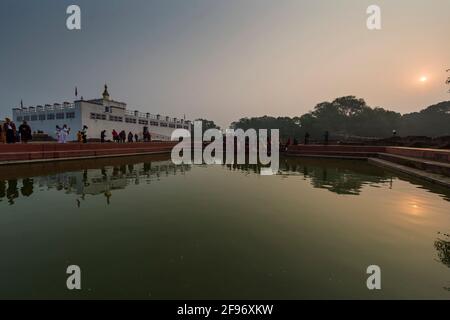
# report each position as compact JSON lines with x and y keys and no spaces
{"x":108,"y":177}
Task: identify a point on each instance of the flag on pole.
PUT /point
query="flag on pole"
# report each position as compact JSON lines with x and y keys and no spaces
{"x":21,"y":104}
{"x":76,"y":92}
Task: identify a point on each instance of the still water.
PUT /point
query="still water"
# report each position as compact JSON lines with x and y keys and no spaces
{"x":142,"y":227}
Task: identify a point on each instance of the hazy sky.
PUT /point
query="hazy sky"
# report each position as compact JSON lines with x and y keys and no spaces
{"x":225,"y":59}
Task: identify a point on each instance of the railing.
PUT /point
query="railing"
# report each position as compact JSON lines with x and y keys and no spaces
{"x":130,"y":113}
{"x":160,"y":118}
{"x":32,"y":110}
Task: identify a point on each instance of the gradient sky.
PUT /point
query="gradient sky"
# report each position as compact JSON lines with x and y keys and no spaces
{"x":225,"y":59}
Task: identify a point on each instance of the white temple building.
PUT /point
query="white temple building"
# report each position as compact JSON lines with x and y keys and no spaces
{"x":98,"y":115}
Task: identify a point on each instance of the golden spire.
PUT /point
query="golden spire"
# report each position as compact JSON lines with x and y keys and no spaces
{"x":106,"y":93}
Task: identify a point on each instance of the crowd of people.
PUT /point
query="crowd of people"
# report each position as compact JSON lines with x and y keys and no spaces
{"x":119,"y":137}
{"x":9,"y":133}
{"x":62,"y":133}
{"x":122,"y":137}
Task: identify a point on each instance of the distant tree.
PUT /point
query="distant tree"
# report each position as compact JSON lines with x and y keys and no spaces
{"x":350,"y":116}
{"x":289,"y":127}
{"x":207,"y":124}
{"x":448,"y":79}
{"x":432,"y":121}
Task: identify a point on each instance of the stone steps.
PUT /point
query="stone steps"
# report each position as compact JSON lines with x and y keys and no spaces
{"x":435,"y":167}
{"x":439,"y":155}
{"x":334,"y":154}
{"x":428,"y":176}
{"x":429,"y":164}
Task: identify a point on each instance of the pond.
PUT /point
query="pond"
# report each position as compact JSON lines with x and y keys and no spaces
{"x":142,"y":227}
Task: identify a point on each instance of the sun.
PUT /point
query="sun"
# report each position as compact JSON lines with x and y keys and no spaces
{"x":423,"y":79}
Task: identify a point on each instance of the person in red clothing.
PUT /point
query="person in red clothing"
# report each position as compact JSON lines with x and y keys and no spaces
{"x":115,"y":136}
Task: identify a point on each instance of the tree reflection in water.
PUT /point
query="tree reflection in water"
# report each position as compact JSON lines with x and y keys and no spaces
{"x":341,"y":177}
{"x":443,"y":251}
{"x":344,"y":177}
{"x":338,"y":176}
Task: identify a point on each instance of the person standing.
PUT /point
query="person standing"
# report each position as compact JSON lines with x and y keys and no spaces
{"x":326,"y":137}
{"x":288,"y":143}
{"x":16,"y":136}
{"x":65,"y":131}
{"x":307,"y":138}
{"x":136,"y":137}
{"x":123,"y":136}
{"x":130,"y":137}
{"x":102,"y":136}
{"x":2,"y":136}
{"x":59,"y":134}
{"x":115,"y":136}
{"x":146,"y":135}
{"x":9,"y":129}
{"x":79,"y":137}
{"x":25,"y":132}
{"x":84,"y":134}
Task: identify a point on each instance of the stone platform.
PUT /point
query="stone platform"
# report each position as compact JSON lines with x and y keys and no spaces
{"x":45,"y":152}
{"x":430,"y":164}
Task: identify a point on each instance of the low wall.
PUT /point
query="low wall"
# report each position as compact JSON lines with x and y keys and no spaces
{"x":309,"y":147}
{"x":428,"y":154}
{"x":335,"y":150}
{"x":369,"y":151}
{"x":48,"y":151}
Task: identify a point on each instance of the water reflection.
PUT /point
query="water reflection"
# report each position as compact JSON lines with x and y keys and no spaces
{"x":443,"y":248}
{"x":192,"y":234}
{"x":97,"y":177}
{"x":442,"y":245}
{"x":341,"y":176}
{"x":101,"y":176}
{"x":338,"y":176}
{"x":8,"y":190}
